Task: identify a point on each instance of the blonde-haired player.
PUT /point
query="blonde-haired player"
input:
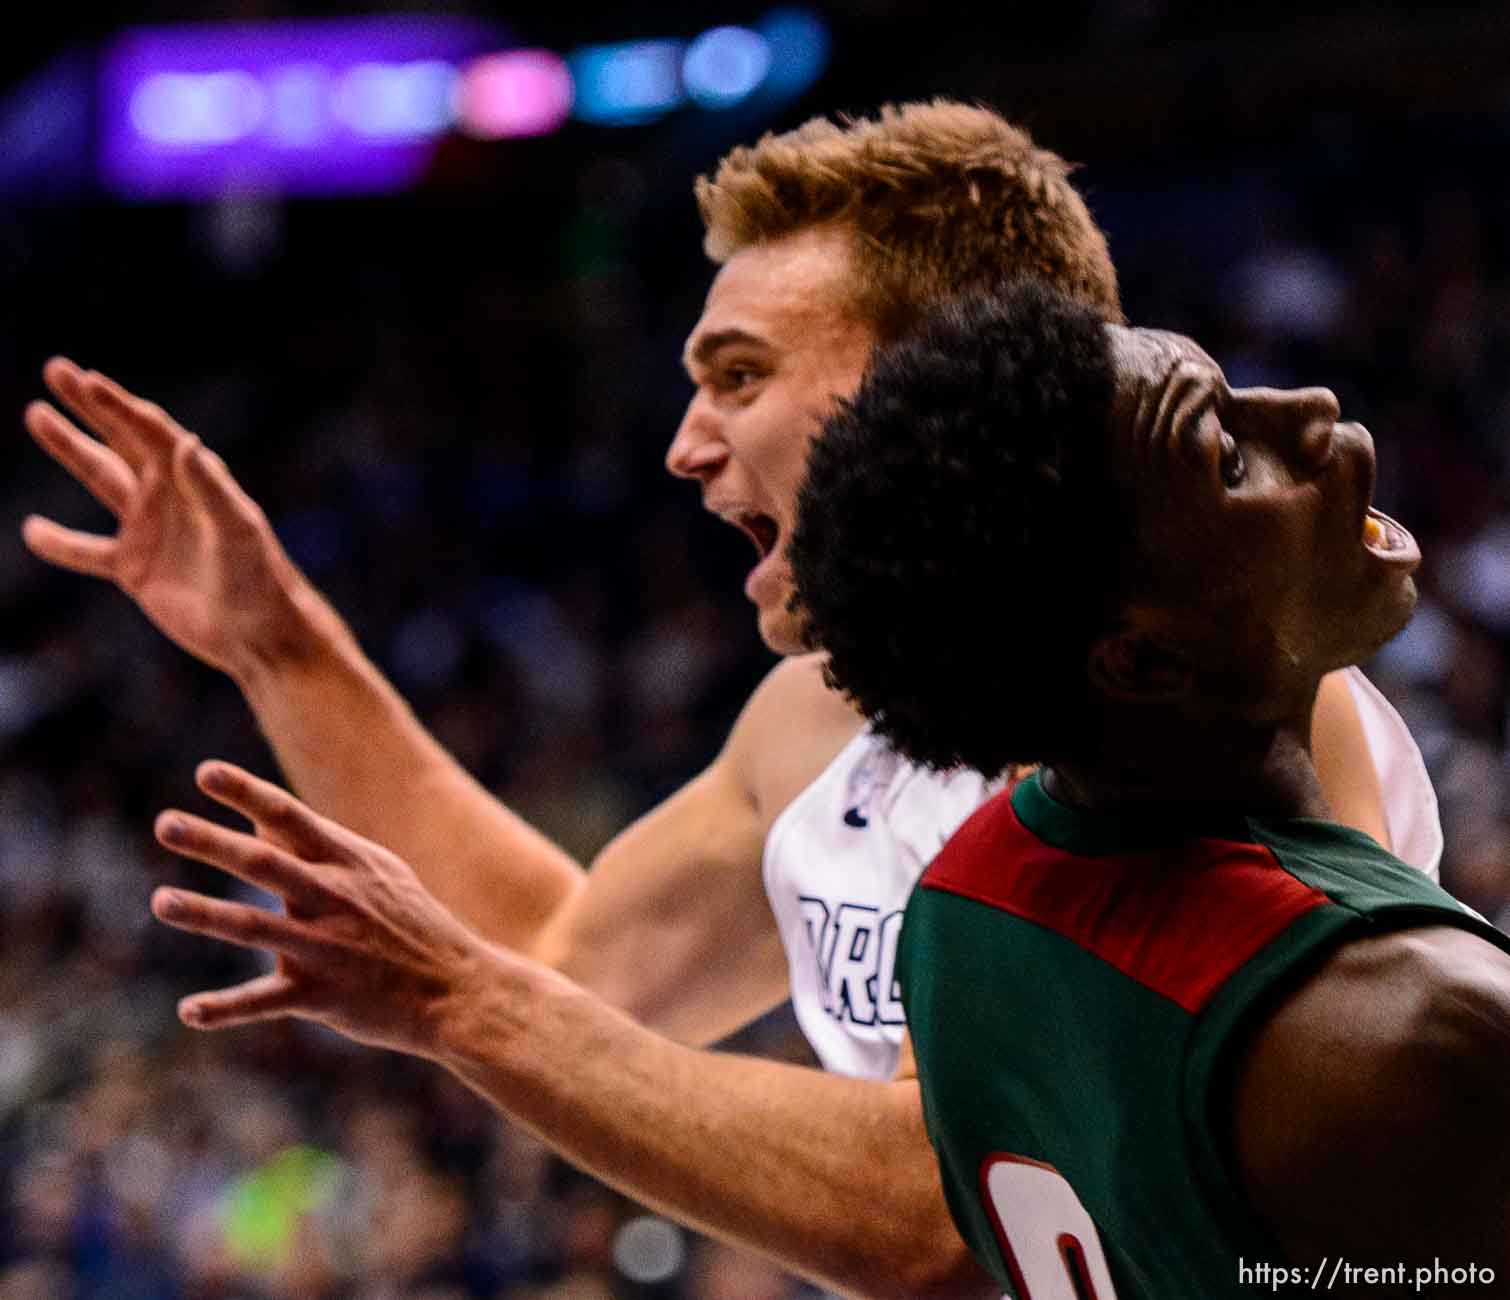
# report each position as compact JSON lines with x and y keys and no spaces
{"x":780,"y":869}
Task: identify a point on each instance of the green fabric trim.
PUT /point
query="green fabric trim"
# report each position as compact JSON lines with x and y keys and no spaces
{"x":1100,"y":834}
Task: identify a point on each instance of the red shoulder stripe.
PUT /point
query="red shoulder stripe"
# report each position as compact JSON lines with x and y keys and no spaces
{"x":1179,"y":921}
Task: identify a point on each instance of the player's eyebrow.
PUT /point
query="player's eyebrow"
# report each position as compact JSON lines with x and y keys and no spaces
{"x":708,"y":345}
{"x":1200,"y":397}
{"x":1185,"y":395}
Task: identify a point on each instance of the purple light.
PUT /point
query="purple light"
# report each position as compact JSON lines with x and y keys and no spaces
{"x":520,"y":93}
{"x":303,"y":107}
{"x":186,"y":109}
{"x":398,"y":101}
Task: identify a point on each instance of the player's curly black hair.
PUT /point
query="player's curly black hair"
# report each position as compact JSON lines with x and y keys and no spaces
{"x":959,"y":545}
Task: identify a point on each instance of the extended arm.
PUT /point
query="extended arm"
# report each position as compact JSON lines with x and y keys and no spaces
{"x":832,"y":1176}
{"x":199,"y":557}
{"x":685,"y":881}
{"x":349,"y":743}
{"x":1370,"y":1110}
{"x":673,"y":924}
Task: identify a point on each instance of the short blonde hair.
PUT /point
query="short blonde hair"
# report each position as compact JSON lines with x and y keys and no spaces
{"x":939,"y":197}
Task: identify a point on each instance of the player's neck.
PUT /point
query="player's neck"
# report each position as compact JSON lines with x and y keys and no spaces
{"x":1262,"y":769}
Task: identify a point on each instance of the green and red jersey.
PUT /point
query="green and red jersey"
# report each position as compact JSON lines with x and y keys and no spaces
{"x":1075,"y":984}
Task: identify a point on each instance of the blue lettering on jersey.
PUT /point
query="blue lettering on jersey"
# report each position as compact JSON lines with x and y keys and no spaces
{"x":855,"y":948}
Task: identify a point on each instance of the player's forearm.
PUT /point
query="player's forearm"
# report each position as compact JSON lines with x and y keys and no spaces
{"x":832,"y":1177}
{"x":353,"y":749}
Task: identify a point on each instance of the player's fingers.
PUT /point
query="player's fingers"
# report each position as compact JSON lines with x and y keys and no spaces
{"x":68,"y":548}
{"x":140,"y":430}
{"x":264,"y":998}
{"x":236,"y":923}
{"x":101,"y":470}
{"x":65,"y":380}
{"x":271,"y":807}
{"x":72,"y":388}
{"x":147,"y":420}
{"x":244,"y":856}
{"x":189,"y":466}
{"x":216,"y":487}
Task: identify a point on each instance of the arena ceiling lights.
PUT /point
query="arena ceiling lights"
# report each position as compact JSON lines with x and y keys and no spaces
{"x":357,"y":106}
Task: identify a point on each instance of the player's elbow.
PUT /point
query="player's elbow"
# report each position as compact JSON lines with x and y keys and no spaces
{"x":597,"y":967}
{"x":553,"y":942}
{"x":937,"y":1265}
{"x":957,"y":1278}
{"x":609,"y":967}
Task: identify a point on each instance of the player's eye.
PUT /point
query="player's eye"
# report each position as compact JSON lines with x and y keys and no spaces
{"x":1234,"y":467}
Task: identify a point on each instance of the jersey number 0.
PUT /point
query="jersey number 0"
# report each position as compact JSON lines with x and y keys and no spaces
{"x":1052,"y":1249}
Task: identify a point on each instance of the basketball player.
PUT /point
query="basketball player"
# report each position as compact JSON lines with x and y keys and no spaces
{"x":783,"y":868}
{"x":1178,"y":1033}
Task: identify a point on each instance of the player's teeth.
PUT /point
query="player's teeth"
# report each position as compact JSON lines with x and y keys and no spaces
{"x":1373,"y":531}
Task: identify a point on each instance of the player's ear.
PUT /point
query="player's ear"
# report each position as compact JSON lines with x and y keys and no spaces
{"x":1136,"y":665}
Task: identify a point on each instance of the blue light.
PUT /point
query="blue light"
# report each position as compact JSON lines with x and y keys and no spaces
{"x":45,"y":130}
{"x":623,"y":85}
{"x":799,"y":44}
{"x":634,"y":82}
{"x":725,"y":65}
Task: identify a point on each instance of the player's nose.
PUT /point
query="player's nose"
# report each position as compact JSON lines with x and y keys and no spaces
{"x":1316,"y":412}
{"x":1300,"y":422}
{"x":697,"y":449}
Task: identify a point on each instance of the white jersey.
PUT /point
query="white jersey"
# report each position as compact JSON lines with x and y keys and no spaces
{"x":843,"y":856}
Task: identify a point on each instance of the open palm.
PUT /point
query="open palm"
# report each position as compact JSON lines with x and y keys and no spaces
{"x":192,"y":549}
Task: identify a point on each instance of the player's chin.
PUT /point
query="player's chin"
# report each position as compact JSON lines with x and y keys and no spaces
{"x":781,"y":628}
{"x":1399,"y":605}
{"x":1382,"y":618}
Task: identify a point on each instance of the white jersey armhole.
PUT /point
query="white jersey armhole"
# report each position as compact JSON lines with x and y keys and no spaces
{"x":1410,"y":802}
{"x":781,"y":893}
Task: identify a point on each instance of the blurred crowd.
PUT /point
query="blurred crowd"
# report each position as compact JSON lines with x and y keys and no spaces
{"x":454,"y":416}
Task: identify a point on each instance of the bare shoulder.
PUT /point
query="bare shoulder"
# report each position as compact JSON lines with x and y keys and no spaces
{"x":1368,"y":1107}
{"x":1418,"y":998}
{"x":798,"y":682}
{"x":790,"y":730}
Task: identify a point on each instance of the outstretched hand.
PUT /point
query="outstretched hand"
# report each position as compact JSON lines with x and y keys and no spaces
{"x":192,"y":549}
{"x":361,"y":948}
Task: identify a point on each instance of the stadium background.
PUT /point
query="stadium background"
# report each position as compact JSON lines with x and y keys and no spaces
{"x":453,"y":400}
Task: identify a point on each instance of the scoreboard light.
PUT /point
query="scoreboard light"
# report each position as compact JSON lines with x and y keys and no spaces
{"x":799,"y":43}
{"x":356,"y":106}
{"x":397,"y":101}
{"x":627,"y":84}
{"x":301,"y":107}
{"x":519,"y":93}
{"x":724,"y":66}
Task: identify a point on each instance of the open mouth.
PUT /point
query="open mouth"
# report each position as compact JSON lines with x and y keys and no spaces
{"x":760,"y":529}
{"x":1389,"y":541}
{"x":1382,"y":534}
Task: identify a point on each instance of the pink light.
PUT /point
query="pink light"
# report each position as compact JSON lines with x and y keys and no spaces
{"x":518,"y":93}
